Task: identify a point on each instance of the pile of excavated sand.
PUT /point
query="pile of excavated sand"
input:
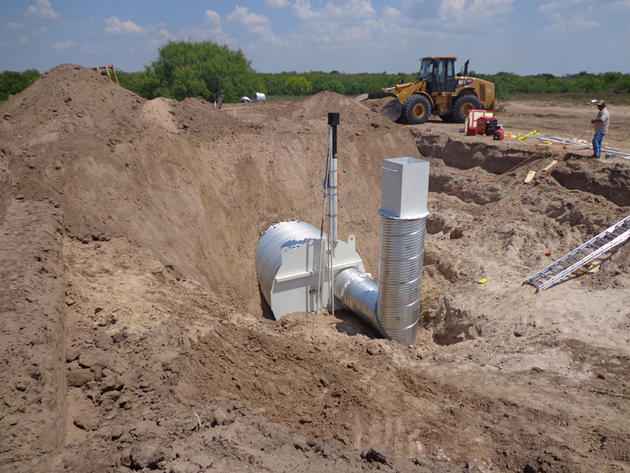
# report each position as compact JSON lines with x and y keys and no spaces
{"x":133,"y":336}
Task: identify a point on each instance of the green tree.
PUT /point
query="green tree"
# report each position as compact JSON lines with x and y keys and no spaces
{"x":274,"y":83}
{"x":297,"y":85}
{"x":12,"y":83}
{"x":144,"y":83}
{"x":333,"y":85}
{"x":325,"y":82}
{"x":317,"y":79}
{"x":205,"y":70}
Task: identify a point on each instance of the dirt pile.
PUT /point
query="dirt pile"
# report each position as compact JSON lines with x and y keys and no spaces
{"x":133,"y":336}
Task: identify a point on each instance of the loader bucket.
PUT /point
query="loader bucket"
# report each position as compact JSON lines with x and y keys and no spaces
{"x":378,"y":95}
{"x":392,"y":110}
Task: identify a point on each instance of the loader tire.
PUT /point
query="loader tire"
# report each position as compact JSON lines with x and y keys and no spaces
{"x":416,"y":109}
{"x":463,"y":106}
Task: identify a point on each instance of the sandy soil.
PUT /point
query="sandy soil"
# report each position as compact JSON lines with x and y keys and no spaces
{"x":133,"y":336}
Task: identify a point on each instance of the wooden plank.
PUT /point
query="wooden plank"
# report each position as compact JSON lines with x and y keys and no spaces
{"x":530,"y":176}
{"x":550,"y":165}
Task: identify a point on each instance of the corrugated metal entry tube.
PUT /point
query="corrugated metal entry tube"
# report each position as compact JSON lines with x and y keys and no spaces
{"x":278,"y":236}
{"x":400,"y":275}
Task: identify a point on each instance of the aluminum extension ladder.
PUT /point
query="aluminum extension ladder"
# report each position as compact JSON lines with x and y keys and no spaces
{"x":108,"y":71}
{"x":607,"y":240}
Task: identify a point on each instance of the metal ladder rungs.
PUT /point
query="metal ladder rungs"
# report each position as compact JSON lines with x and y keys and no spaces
{"x":567,"y":263}
{"x":607,"y":240}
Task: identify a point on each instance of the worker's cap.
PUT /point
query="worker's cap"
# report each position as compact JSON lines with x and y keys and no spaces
{"x":600,"y":103}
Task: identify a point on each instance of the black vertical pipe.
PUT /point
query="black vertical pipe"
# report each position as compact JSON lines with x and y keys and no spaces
{"x":333,"y":121}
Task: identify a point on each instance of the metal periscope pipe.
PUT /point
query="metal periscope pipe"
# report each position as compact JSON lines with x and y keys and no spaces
{"x":393,"y":306}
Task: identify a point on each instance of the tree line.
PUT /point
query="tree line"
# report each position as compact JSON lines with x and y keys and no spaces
{"x":508,"y":84}
{"x":13,"y":82}
{"x":209,"y":71}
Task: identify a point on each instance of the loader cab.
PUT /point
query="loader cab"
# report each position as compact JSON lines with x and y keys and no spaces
{"x":439,"y":73}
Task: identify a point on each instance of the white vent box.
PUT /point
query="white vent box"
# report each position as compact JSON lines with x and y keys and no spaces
{"x":405,"y":188}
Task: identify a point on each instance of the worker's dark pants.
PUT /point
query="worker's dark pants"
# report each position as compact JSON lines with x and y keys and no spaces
{"x":597,"y":144}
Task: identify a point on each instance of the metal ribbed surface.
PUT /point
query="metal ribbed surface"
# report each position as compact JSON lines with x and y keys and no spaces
{"x":359,"y":293}
{"x":269,"y":250}
{"x":399,"y":276}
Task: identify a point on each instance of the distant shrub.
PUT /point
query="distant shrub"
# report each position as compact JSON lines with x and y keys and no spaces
{"x":297,"y":85}
{"x":188,"y":69}
{"x":12,"y":83}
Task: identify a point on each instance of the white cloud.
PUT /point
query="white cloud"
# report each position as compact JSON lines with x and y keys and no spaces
{"x":277,"y":3}
{"x":342,"y":24}
{"x":452,"y":8}
{"x":243,"y":16}
{"x":59,"y":46}
{"x":216,"y":30}
{"x":407,"y":4}
{"x":547,"y":7}
{"x":487,"y":4}
{"x":212,"y":17}
{"x":302,"y":9}
{"x":470,"y":12}
{"x":323,"y":39}
{"x":563,"y":24}
{"x":14,"y":26}
{"x":363,"y":8}
{"x":114,"y":26}
{"x":256,"y":24}
{"x":42,"y":9}
{"x":391,"y":12}
{"x":354,"y":35}
{"x":493,"y":8}
{"x":570,"y":15}
{"x":41,"y":31}
{"x":157,"y":36}
{"x":220,"y":36}
{"x":93,"y":49}
{"x":335,"y":9}
{"x":23,"y":41}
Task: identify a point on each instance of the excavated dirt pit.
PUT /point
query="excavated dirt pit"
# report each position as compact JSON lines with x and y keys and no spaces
{"x":133,"y":337}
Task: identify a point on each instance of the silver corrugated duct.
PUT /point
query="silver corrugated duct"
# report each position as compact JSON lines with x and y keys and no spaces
{"x":399,"y":277}
{"x":401,"y":253}
{"x":358,"y":292}
{"x":393,"y":306}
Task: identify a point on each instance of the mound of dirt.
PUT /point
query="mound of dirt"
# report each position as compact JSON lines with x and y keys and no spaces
{"x":133,"y":336}
{"x":355,"y":116}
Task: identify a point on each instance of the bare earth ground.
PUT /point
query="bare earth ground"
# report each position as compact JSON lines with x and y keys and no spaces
{"x":132,"y":333}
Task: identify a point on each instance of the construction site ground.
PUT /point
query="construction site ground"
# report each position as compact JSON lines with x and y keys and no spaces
{"x":132,"y":331}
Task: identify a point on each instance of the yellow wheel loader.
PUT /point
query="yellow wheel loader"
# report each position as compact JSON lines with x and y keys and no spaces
{"x":438,"y":91}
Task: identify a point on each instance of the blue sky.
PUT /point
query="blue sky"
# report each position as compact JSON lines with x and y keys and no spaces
{"x":524,"y":37}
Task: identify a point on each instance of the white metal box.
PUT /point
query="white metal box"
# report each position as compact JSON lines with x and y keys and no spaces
{"x":405,"y":188}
